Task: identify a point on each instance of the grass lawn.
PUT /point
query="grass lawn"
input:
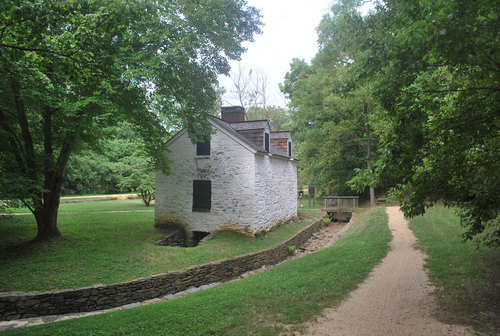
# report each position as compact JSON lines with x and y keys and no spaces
{"x":268,"y":303}
{"x":117,"y":205}
{"x":467,"y":278}
{"x":110,"y":247}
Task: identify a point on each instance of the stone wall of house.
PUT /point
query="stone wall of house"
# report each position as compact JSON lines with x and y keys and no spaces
{"x":276,"y":189}
{"x":30,"y":304}
{"x":229,"y":167}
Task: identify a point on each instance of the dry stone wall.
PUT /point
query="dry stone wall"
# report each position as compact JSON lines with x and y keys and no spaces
{"x":17,"y":305}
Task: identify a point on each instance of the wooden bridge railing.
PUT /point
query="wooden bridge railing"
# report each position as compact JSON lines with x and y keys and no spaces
{"x":340,"y":203}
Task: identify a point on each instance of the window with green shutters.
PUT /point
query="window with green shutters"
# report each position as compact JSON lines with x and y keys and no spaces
{"x":202,"y":195}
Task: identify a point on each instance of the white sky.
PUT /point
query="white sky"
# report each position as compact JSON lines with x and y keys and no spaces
{"x":289,"y":31}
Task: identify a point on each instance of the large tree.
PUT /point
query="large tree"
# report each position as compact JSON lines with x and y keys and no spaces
{"x":72,"y":68}
{"x":436,"y":72}
{"x":331,"y":104}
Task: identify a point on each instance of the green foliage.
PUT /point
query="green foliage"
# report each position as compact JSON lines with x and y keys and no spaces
{"x":288,"y":294}
{"x":121,"y":165}
{"x":432,"y":68}
{"x":331,"y":104}
{"x":138,"y":174}
{"x":71,"y":69}
{"x":88,"y":173}
{"x":278,"y":117}
{"x":444,"y":120}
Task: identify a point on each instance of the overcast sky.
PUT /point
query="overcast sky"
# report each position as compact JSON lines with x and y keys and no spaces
{"x":289,"y":31}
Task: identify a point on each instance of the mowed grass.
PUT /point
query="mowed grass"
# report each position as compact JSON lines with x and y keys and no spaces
{"x":310,"y":204}
{"x":273,"y":302}
{"x":97,"y":206}
{"x":467,"y":277}
{"x":111,"y":247}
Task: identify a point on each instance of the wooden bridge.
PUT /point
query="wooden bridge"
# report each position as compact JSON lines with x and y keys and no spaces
{"x":340,"y":207}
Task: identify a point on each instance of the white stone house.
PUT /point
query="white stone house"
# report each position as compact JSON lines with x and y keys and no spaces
{"x":244,"y":178}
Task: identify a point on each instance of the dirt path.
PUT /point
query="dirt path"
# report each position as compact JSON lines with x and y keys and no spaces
{"x":394,"y":300}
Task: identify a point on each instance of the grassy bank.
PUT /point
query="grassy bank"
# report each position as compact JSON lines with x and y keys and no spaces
{"x":467,"y":277}
{"x":265,"y":304}
{"x":111,"y":247}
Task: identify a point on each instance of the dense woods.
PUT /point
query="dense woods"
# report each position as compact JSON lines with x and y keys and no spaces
{"x":424,"y":76}
{"x":121,"y":164}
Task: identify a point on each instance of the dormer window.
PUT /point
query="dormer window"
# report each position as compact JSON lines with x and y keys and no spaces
{"x":203,"y":148}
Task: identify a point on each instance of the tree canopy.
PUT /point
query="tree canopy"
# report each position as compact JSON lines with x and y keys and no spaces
{"x":73,"y":68}
{"x":441,"y":93}
{"x":119,"y":165}
{"x":331,"y":105}
{"x":432,"y":70}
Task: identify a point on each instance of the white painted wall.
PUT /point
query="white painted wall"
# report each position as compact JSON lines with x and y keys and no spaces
{"x":230,"y":167}
{"x":275,"y":190}
{"x":249,"y":191}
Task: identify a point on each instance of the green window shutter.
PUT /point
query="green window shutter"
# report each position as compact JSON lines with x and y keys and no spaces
{"x":266,"y":142}
{"x":202,"y":195}
{"x":289,"y":148}
{"x":203,"y":148}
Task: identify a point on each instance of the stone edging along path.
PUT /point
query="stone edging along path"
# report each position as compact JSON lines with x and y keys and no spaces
{"x":20,"y":305}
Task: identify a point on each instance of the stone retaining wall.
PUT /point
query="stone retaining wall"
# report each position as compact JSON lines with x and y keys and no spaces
{"x":17,"y":305}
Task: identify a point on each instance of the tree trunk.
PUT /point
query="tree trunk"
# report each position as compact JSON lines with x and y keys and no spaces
{"x":46,"y":220}
{"x":369,"y":154}
{"x":46,"y":211}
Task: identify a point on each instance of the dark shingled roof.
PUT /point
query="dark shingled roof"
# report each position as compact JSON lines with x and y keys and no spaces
{"x":228,"y":127}
{"x":281,"y":135}
{"x":250,"y":125}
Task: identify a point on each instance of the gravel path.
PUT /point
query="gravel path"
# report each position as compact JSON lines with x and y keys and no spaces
{"x":394,"y":300}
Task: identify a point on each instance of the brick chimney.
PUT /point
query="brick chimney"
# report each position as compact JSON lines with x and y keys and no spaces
{"x":233,"y":114}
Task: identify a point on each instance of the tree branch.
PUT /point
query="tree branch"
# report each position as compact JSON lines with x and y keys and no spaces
{"x":492,"y":89}
{"x":497,"y":64}
{"x":10,"y":24}
{"x":26,"y":204}
{"x":13,"y":140}
{"x":48,"y":149}
{"x":3,"y":45}
{"x":345,"y":117}
{"x":23,"y":122}
{"x":56,"y":178}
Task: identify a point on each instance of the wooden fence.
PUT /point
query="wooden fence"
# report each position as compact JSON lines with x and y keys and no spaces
{"x":340,"y":203}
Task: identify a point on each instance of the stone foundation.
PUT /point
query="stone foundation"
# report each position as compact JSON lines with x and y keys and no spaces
{"x":176,"y":237}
